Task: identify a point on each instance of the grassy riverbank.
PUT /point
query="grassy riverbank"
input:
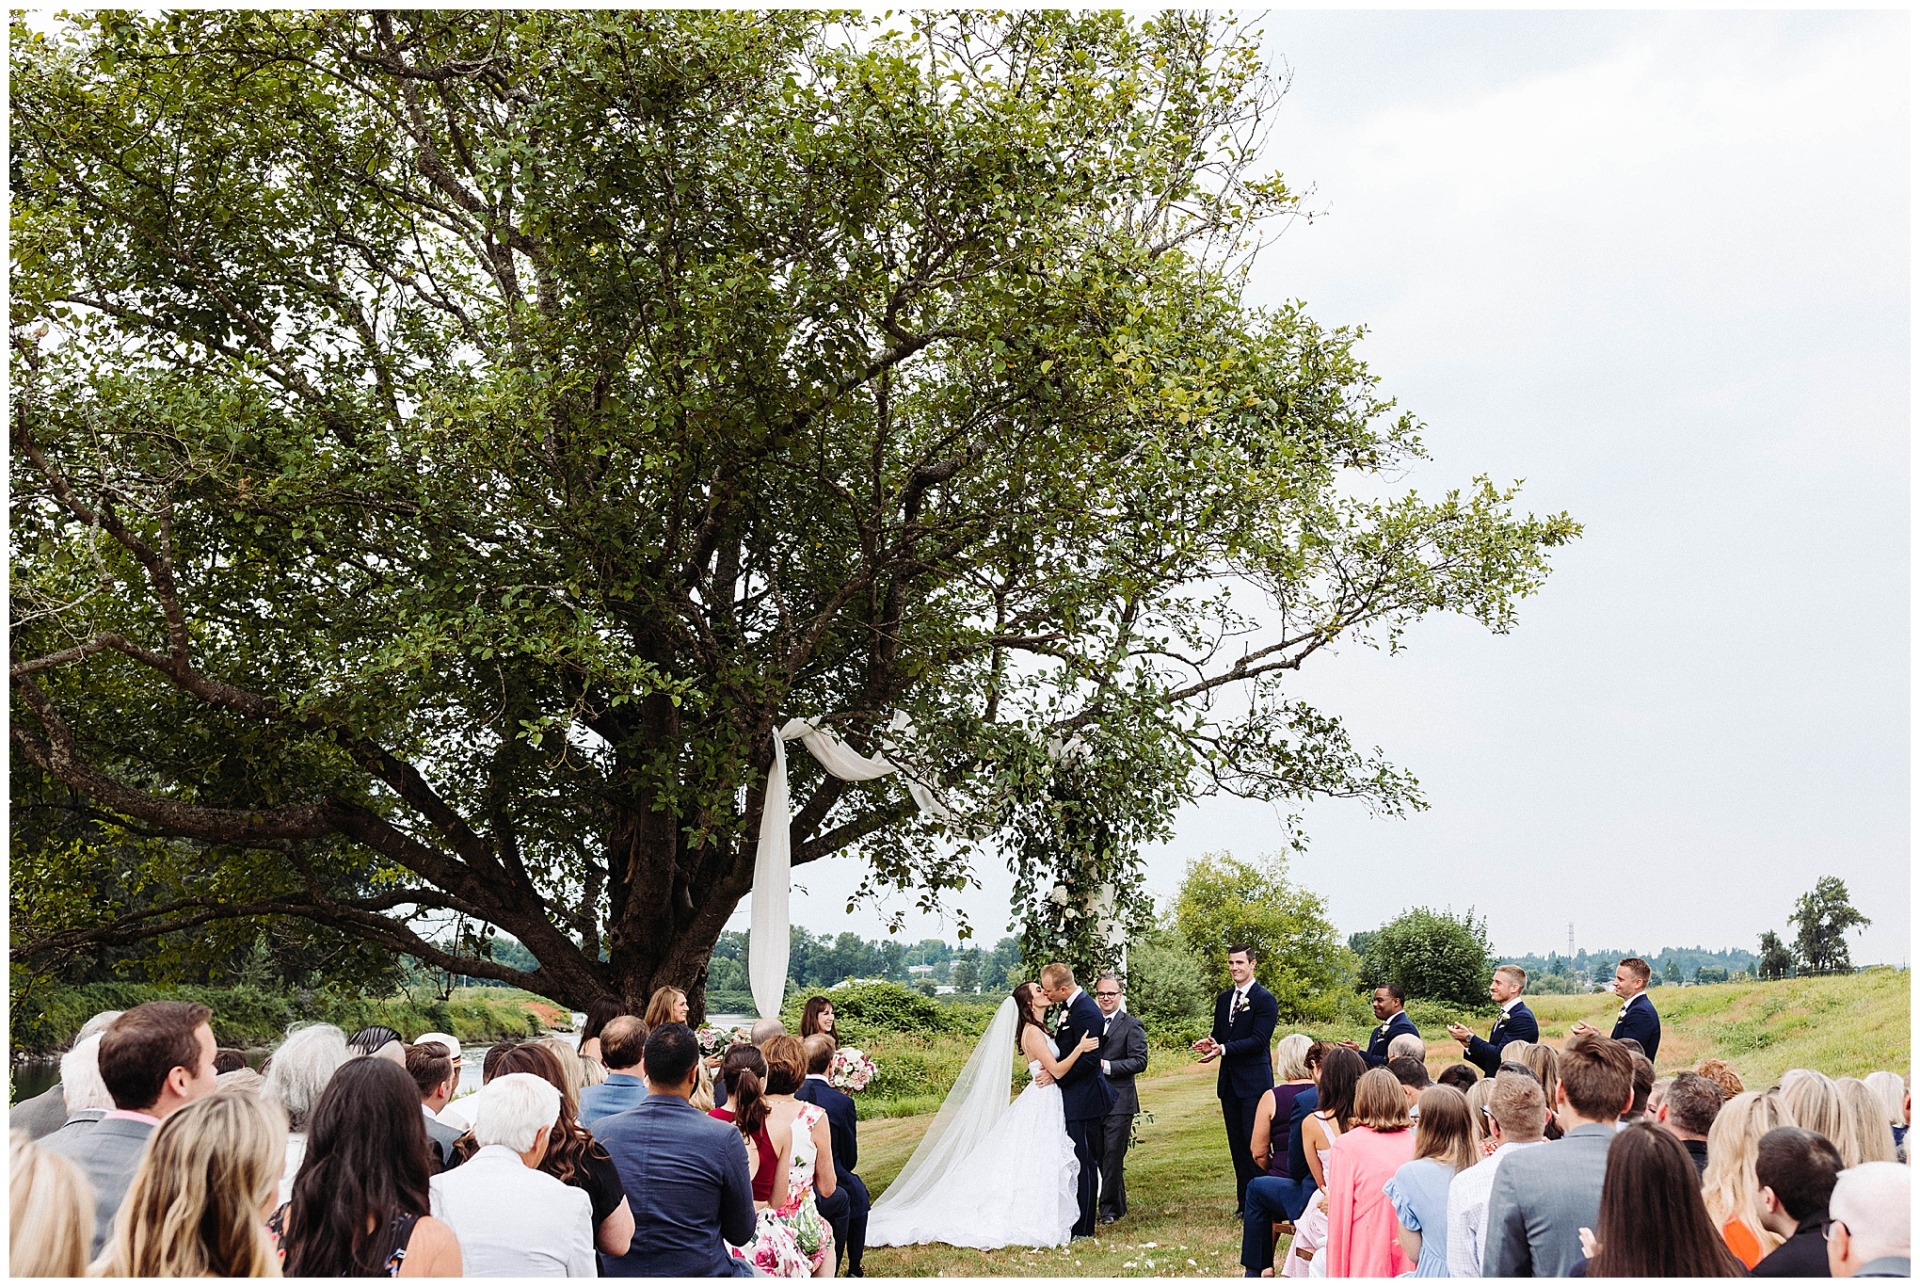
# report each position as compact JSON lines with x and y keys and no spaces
{"x":42,"y":1020}
{"x":1180,"y":1182}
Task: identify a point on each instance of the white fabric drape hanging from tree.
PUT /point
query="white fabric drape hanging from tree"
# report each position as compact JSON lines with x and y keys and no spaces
{"x":769,"y":945}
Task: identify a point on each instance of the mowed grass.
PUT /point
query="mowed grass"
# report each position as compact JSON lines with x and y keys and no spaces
{"x":1180,"y":1181}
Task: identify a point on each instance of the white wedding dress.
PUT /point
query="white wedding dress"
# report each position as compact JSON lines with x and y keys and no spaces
{"x":987,"y":1174}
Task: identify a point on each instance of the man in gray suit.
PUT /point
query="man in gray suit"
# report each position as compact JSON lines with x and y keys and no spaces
{"x":432,"y":1073}
{"x":48,"y":1111}
{"x":1541,"y":1198}
{"x":1123,"y":1056}
{"x":155,"y":1059}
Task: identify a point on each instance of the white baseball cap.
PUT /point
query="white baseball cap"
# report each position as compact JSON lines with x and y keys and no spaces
{"x":453,"y":1046}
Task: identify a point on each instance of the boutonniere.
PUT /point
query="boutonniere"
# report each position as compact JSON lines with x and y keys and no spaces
{"x":1244,"y":1006}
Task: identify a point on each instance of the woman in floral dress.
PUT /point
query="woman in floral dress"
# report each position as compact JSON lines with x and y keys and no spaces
{"x":810,"y":1171}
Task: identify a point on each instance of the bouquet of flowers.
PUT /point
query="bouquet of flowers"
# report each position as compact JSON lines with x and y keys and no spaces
{"x":714,"y":1041}
{"x":850,"y":1070}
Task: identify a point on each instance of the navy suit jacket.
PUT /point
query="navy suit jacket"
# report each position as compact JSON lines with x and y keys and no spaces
{"x":1376,"y":1052}
{"x":842,"y":1121}
{"x":1084,"y":1090}
{"x":1518,"y":1024}
{"x":686,"y":1180}
{"x":1305,"y":1102}
{"x":1246,"y":1066}
{"x":1642,"y":1023}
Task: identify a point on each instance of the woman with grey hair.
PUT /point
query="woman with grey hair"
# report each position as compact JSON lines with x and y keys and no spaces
{"x":296,"y":1074}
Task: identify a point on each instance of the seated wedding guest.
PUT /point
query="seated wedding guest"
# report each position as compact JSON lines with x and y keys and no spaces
{"x":1516,"y":1114}
{"x":155,"y":1060}
{"x":52,"y":1219}
{"x":1721,"y":1074}
{"x":1870,"y":1234}
{"x":459,"y":1112}
{"x":1341,"y":1068}
{"x":1813,"y":1101}
{"x":846,"y":1210}
{"x":432,"y":1074}
{"x":1459,"y":1076}
{"x":580,"y":1073}
{"x":1447,"y":1143}
{"x":1479,"y":1096}
{"x":512,"y":1219}
{"x":86,"y":1095}
{"x":812,"y":1175}
{"x":621,"y":1042}
{"x":48,"y":1111}
{"x":451,"y":1045}
{"x":1868,"y":1131}
{"x":685,"y":1173}
{"x":1688,"y":1111}
{"x":1731,"y":1191}
{"x":1891,"y":1090}
{"x":1657,"y":1096}
{"x":765,"y":1030}
{"x":376,"y":1039}
{"x":242,"y":1079}
{"x":198,"y":1204}
{"x":573,"y":1155}
{"x":299,"y":1070}
{"x":817,"y":1018}
{"x":1407,"y":1046}
{"x":1362,"y":1228}
{"x":666,"y":1005}
{"x":1276,"y":1195}
{"x":361,"y":1207}
{"x":774,"y":1250}
{"x":1652,"y":1223}
{"x":1795,"y":1169}
{"x":1544,"y":1063}
{"x":1516,"y":1022}
{"x":602,"y":1012}
{"x":1642,"y":1088}
{"x":1413,"y":1079}
{"x":1543,"y":1197}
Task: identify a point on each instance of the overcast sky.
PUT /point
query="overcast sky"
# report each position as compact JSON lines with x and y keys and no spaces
{"x":1657,"y":266}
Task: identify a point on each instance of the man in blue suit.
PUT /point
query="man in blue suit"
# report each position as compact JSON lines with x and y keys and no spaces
{"x":1516,"y":1022}
{"x":622,"y":1043}
{"x":685,"y":1173}
{"x":1244,"y":1017}
{"x":1084,"y":1090}
{"x":1638,"y":1019}
{"x":1390,"y":1007}
{"x":847,"y":1209}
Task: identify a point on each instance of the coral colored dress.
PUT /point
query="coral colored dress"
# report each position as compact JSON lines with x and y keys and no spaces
{"x":1742,"y":1243}
{"x":1363,"y":1229}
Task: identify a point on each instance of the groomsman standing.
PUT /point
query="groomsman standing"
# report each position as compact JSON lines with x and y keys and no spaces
{"x":1638,"y":1019}
{"x":1390,"y":1007}
{"x":1244,"y":1018}
{"x":1516,"y":1022}
{"x":1123,"y":1056}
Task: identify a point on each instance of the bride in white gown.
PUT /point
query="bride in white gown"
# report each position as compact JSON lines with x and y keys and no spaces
{"x":988,"y":1174}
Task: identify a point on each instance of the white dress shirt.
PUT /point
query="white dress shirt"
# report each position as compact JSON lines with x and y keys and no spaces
{"x":513,"y":1221}
{"x":1467,"y":1200}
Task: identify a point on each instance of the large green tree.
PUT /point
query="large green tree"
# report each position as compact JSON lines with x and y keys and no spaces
{"x":447,"y":445}
{"x":1822,"y":917}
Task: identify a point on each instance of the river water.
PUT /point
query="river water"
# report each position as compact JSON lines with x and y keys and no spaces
{"x":31,"y":1076}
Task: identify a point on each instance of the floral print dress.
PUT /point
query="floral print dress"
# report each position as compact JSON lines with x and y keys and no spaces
{"x":792,"y":1241}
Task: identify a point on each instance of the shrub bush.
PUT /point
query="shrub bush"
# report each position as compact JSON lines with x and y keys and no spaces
{"x":1437,"y":956}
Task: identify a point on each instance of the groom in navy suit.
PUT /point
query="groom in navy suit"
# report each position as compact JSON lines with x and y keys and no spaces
{"x":1084,"y":1090}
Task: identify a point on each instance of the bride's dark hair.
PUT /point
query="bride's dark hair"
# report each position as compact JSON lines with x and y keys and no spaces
{"x":1023,"y":1001}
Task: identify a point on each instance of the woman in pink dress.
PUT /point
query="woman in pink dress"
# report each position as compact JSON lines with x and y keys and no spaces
{"x":1363,"y":1230}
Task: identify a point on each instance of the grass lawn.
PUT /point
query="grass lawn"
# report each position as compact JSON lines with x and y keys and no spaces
{"x":1180,"y":1183}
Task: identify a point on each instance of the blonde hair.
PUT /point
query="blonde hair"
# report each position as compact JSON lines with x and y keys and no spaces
{"x":1479,"y":1095}
{"x":194,"y":1207}
{"x":1730,"y":1187}
{"x":1449,"y":1130}
{"x":1293,"y":1056}
{"x":1379,"y":1103}
{"x":1891,"y":1087}
{"x":52,"y":1225}
{"x":572,"y":1066}
{"x":702,"y":1097}
{"x":1544,"y":1062}
{"x":1813,"y":1101}
{"x":1869,"y":1133}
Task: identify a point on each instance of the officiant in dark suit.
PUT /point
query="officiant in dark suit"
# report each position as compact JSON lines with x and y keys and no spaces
{"x":1516,"y":1022}
{"x":846,"y":1211}
{"x":1123,"y":1056}
{"x":1244,"y":1017}
{"x":1086,"y":1096}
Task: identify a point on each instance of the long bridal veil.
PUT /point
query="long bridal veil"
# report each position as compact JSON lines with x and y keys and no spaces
{"x":977,"y":1101}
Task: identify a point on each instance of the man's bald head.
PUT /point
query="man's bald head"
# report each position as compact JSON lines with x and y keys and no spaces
{"x":765,"y":1028}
